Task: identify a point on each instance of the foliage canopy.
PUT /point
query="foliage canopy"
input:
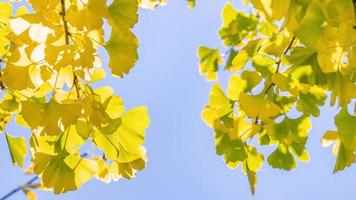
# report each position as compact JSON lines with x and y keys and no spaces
{"x":49,"y":62}
{"x":286,"y":57}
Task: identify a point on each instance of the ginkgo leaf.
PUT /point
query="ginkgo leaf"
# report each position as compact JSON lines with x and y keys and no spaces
{"x":87,"y":17}
{"x":258,"y":107}
{"x":310,"y":27}
{"x":310,"y":98}
{"x":122,"y":49}
{"x":245,"y":54}
{"x":191,"y":3}
{"x":209,"y":62}
{"x":252,"y":79}
{"x":4,"y":120}
{"x":264,"y":65}
{"x":122,"y":142}
{"x":275,"y":9}
{"x":308,"y":102}
{"x":342,"y":89}
{"x":251,"y":165}
{"x":30,"y":194}
{"x":63,"y":172}
{"x":122,"y":46}
{"x":252,"y":178}
{"x":6,"y":11}
{"x":17,"y":77}
{"x":243,"y":129}
{"x":53,"y":117}
{"x":71,"y":140}
{"x":282,"y":160}
{"x":219,"y":106}
{"x":219,"y":101}
{"x":233,"y":150}
{"x":291,"y":135}
{"x":18,"y":149}
{"x":113,"y":172}
{"x":235,"y":87}
{"x":236,"y":26}
{"x":345,"y":124}
{"x":124,"y":12}
{"x":345,"y":158}
{"x":4,"y":42}
{"x":329,"y":138}
{"x":127,"y":170}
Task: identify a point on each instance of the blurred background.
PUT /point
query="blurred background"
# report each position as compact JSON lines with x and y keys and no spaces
{"x":182,"y":160}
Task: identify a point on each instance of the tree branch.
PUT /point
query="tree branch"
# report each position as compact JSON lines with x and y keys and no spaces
{"x":75,"y":82}
{"x":278,"y":63}
{"x":65,"y":23}
{"x":67,"y":34}
{"x":2,"y":86}
{"x":14,"y":191}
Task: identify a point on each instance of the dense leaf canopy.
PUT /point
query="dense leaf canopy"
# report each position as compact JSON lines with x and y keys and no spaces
{"x":49,"y":62}
{"x":286,"y":57}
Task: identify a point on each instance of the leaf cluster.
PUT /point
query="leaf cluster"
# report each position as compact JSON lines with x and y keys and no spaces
{"x":285,"y":58}
{"x":49,"y":64}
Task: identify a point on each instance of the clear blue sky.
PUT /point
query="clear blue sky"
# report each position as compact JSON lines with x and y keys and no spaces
{"x":182,"y":160}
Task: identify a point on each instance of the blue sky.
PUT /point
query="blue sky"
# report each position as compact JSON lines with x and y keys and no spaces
{"x":182,"y":160}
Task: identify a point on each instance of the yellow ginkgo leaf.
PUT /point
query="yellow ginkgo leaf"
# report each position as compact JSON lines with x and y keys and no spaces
{"x":53,"y":117}
{"x":258,"y":107}
{"x":209,"y":62}
{"x":17,"y":77}
{"x":63,"y":172}
{"x":30,"y":194}
{"x":6,"y":11}
{"x":219,"y":102}
{"x":17,"y":148}
{"x":235,"y":87}
{"x":122,"y":139}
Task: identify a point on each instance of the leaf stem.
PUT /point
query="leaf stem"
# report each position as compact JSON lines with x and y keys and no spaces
{"x":67,"y":35}
{"x":278,"y":63}
{"x":65,"y":23}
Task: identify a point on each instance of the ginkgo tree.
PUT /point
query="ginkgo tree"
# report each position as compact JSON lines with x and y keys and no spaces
{"x":49,"y":62}
{"x":286,"y":57}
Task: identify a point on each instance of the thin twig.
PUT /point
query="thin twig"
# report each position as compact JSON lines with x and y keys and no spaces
{"x":14,"y":191}
{"x":63,"y":14}
{"x":67,"y":35}
{"x":2,"y":86}
{"x":278,"y":63}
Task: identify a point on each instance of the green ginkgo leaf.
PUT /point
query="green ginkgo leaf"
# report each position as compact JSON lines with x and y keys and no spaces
{"x":209,"y":62}
{"x":282,"y":160}
{"x":122,"y":49}
{"x":124,"y":13}
{"x":233,"y":150}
